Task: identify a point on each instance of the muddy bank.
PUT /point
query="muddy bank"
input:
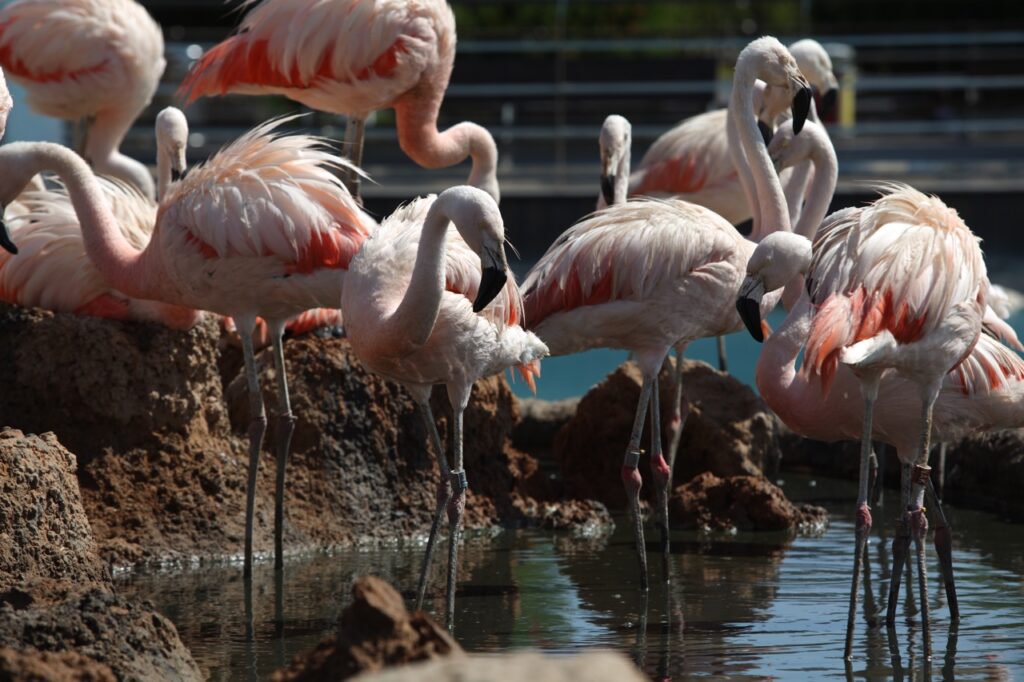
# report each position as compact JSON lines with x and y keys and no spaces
{"x":711,"y":503}
{"x":59,"y":616}
{"x":160,"y":438}
{"x":728,"y":431}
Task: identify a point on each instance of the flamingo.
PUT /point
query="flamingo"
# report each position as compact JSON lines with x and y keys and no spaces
{"x":353,"y":57}
{"x":264,"y":228}
{"x":94,"y":60}
{"x":652,"y":275}
{"x":897,"y":286}
{"x":416,"y":311}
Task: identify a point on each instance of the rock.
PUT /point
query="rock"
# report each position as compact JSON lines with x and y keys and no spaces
{"x":539,"y":422}
{"x":728,"y":431}
{"x":592,"y":666}
{"x":133,"y":642}
{"x":739,"y":503}
{"x":162,"y":447}
{"x":44,"y":533}
{"x":39,"y":666}
{"x":376,"y":632}
{"x":986,"y":471}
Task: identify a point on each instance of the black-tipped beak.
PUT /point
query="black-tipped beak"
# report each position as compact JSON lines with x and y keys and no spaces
{"x":748,"y":305}
{"x":492,"y":281}
{"x":608,"y":189}
{"x":5,"y":239}
{"x":176,"y":175}
{"x":766,"y":132}
{"x":801,"y":107}
{"x":828,"y":102}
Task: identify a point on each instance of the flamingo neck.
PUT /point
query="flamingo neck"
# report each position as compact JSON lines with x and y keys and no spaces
{"x":826,"y":174}
{"x":416,"y":120}
{"x":163,"y":172}
{"x":739,"y":162}
{"x":102,"y":144}
{"x":410,"y":325}
{"x":780,"y":385}
{"x":132,"y":272}
{"x":770,"y":200}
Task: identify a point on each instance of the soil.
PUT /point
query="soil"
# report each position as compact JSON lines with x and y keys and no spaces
{"x":376,"y":632}
{"x":728,"y":431}
{"x":711,"y":503}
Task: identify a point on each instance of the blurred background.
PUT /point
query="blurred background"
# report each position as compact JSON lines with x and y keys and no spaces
{"x":931,"y":94}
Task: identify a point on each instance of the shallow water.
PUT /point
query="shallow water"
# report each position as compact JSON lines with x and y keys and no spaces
{"x":756,"y":606}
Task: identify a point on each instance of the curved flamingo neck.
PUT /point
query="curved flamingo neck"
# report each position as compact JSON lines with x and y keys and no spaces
{"x":826,"y":174}
{"x":789,"y":395}
{"x":739,"y":162}
{"x":770,"y":199}
{"x":106,"y":133}
{"x":410,"y":325}
{"x":135,"y":273}
{"x":163,"y":172}
{"x":416,"y":121}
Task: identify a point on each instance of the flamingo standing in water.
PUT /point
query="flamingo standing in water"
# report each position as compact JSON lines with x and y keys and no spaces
{"x":97,"y":61}
{"x":353,"y":57}
{"x":897,"y":285}
{"x":649,"y":276}
{"x":416,"y":311}
{"x":264,"y":228}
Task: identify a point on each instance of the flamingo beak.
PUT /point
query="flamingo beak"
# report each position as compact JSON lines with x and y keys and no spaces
{"x":492,"y":278}
{"x":748,"y":305}
{"x":5,"y":239}
{"x":828,"y":101}
{"x":801,"y":107}
{"x":608,"y":189}
{"x":766,"y":132}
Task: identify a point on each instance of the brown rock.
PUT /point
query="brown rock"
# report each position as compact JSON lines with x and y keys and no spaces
{"x":986,"y":471}
{"x":44,"y":533}
{"x":728,"y":431}
{"x":376,"y":632}
{"x":526,"y":666}
{"x":134,"y":642}
{"x":46,"y":666}
{"x":739,"y":503}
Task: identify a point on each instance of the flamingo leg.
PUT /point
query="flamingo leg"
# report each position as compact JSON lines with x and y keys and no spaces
{"x":943,"y":540}
{"x":869,"y":387}
{"x":257,"y":427}
{"x":662,"y":478}
{"x":679,"y":413}
{"x":444,"y":496}
{"x":877,"y":499}
{"x":283,"y":429}
{"x":723,"y":361}
{"x":940,"y":474}
{"x":917,"y":519}
{"x":900,"y":547}
{"x":631,"y":479}
{"x":355,"y":130}
{"x":456,"y":507}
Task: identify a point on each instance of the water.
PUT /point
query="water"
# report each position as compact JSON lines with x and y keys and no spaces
{"x":756,"y":606}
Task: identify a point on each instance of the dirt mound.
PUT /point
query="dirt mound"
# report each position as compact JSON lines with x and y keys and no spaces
{"x":519,"y":666}
{"x":38,"y":666}
{"x":728,"y":432}
{"x":376,"y":632}
{"x":46,"y":535}
{"x":162,"y":467}
{"x":739,"y":503}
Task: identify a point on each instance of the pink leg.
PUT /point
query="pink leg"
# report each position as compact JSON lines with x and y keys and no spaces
{"x":943,"y":540}
{"x":631,"y":475}
{"x":869,"y":388}
{"x":444,"y":495}
{"x":662,"y":479}
{"x":900,"y":547}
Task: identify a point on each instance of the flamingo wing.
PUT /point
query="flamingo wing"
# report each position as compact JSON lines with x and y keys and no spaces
{"x":74,"y":56}
{"x":625,"y":252}
{"x":899,"y":265}
{"x":365,"y":52}
{"x":689,"y":157}
{"x":988,"y":368}
{"x":270,"y":195}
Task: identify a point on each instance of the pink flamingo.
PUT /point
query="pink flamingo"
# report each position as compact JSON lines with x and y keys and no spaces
{"x":416,"y":307}
{"x":353,"y":57}
{"x":896,"y":285}
{"x":94,"y":60}
{"x":264,"y":228}
{"x":649,"y":276}
{"x":692,"y":160}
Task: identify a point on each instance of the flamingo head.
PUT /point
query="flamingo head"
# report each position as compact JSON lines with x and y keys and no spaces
{"x":172,"y":139}
{"x":778,"y":69}
{"x":477,"y":218}
{"x":816,"y":65}
{"x":779,"y":258}
{"x":615,"y":141}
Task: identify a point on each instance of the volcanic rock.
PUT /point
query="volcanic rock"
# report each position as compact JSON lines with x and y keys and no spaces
{"x":728,"y":431}
{"x":592,"y":666}
{"x":739,"y":503}
{"x":376,"y":632}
